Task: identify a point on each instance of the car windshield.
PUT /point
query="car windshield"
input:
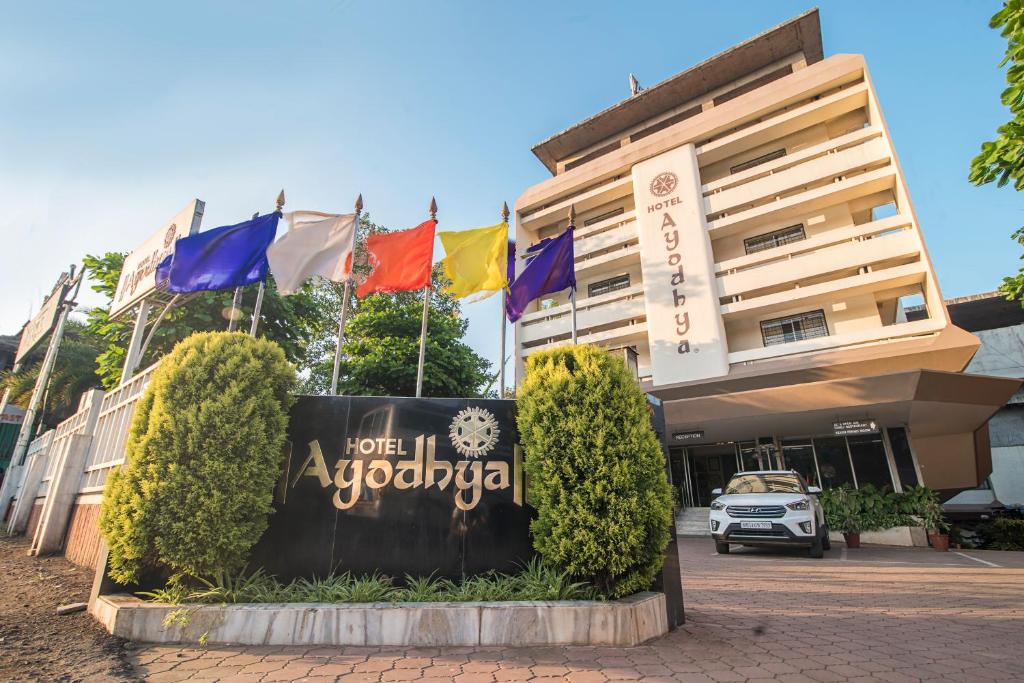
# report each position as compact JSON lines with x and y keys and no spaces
{"x":764,"y":482}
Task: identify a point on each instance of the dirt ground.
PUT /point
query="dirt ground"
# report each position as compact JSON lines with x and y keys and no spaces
{"x":38,"y":645}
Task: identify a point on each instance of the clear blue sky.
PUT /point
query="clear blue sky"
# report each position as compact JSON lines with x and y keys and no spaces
{"x":114,"y":115}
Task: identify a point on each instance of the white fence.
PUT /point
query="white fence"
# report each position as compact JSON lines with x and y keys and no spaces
{"x":75,"y":459}
{"x":115,"y":418}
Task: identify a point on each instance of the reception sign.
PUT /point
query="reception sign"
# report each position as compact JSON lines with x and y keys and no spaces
{"x":399,"y":486}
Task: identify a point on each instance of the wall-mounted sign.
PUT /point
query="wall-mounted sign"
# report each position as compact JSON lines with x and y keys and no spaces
{"x":850,"y":427}
{"x":398,"y":486}
{"x":684,"y":318}
{"x":137,"y":275}
{"x":688,"y":437}
{"x":43,"y":321}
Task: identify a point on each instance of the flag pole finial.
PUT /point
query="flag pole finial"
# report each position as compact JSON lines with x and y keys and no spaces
{"x":359,"y":203}
{"x":433,"y":208}
{"x":504,"y":211}
{"x":280,"y":201}
{"x":572,"y":215}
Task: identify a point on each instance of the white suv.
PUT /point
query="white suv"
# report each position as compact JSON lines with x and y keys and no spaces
{"x":769,"y":508}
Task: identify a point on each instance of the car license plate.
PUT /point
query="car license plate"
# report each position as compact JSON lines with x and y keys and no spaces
{"x":755,"y":525}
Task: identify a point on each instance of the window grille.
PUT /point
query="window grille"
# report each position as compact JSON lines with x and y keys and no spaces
{"x":763,"y":159}
{"x":608,"y":214}
{"x":610,"y":285}
{"x":794,"y":328}
{"x":793,"y":233}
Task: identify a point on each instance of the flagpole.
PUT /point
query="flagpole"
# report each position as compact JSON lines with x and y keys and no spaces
{"x":572,"y":292}
{"x":504,"y":319}
{"x":263,"y":282}
{"x":426,"y":311}
{"x":236,"y":300}
{"x":344,"y":304}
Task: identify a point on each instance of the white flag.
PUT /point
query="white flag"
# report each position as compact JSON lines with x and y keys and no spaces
{"x":315,"y":244}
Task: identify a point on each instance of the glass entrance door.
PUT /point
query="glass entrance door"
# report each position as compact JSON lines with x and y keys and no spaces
{"x":710,"y":467}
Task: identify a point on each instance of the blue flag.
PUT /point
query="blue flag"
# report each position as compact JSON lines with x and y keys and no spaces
{"x":511,"y":261}
{"x":551,"y":270}
{"x":222,"y":258}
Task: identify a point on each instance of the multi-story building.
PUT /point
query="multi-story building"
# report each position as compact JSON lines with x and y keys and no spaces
{"x":745,"y":231}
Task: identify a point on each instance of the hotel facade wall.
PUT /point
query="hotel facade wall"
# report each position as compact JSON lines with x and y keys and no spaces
{"x":810,"y":150}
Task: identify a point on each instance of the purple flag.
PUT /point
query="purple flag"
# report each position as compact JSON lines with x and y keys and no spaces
{"x":551,"y":270}
{"x":511,"y":262}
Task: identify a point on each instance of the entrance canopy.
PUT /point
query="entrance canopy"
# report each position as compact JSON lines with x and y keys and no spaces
{"x":941,"y":410}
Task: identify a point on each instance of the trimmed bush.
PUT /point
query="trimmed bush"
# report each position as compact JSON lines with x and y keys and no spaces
{"x":596,"y":472}
{"x":203,"y":454}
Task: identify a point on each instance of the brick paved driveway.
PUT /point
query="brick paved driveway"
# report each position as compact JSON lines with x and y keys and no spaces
{"x":870,"y":614}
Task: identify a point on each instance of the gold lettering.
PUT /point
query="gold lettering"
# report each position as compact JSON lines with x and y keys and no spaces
{"x":497,"y":476}
{"x":433,"y":466}
{"x":379,"y":466}
{"x":463,"y":484}
{"x":412,"y":467}
{"x":314,"y":466}
{"x":355,"y":483}
{"x":351,"y":445}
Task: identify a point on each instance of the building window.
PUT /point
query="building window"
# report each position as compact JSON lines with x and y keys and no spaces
{"x":794,"y":328}
{"x":833,"y":462}
{"x":902,"y":456}
{"x":869,"y":462}
{"x":763,"y":159}
{"x":604,"y":216}
{"x":798,"y":455}
{"x":612,"y":284}
{"x":793,"y":233}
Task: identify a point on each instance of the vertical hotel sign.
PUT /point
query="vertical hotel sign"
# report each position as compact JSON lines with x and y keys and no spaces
{"x":684,"y":320}
{"x":138,"y":276}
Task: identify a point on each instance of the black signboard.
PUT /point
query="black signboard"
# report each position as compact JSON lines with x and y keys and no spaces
{"x":398,"y":486}
{"x":850,"y":427}
{"x":688,"y":437}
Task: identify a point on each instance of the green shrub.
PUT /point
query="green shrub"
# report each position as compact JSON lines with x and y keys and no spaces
{"x":1004,"y":533}
{"x":203,"y":454}
{"x":595,"y":470}
{"x":849,"y":510}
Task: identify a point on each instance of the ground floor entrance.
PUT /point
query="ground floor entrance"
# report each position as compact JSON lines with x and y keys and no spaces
{"x":882,"y":459}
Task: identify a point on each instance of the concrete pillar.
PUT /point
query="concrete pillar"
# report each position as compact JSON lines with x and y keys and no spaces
{"x":67,"y":478}
{"x":34,"y":471}
{"x":60,"y":500}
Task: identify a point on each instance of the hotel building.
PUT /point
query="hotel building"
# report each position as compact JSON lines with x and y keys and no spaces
{"x":745,"y":235}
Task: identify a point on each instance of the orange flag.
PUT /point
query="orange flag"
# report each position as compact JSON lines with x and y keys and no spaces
{"x":401,"y":260}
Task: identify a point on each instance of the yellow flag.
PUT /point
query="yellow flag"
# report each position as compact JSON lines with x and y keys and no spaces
{"x":476,"y":260}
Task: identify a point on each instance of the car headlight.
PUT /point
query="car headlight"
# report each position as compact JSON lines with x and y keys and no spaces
{"x":715,"y":505}
{"x":799,"y":504}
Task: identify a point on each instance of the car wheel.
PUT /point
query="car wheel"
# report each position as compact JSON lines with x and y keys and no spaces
{"x":816,"y":550}
{"x":825,"y":542}
{"x":721,"y":548}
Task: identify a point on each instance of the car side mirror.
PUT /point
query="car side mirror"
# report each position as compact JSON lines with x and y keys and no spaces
{"x":814,"y":489}
{"x":716,"y":492}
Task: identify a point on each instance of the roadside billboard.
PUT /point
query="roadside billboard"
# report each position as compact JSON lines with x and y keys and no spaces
{"x":137,"y":277}
{"x":39,"y":326}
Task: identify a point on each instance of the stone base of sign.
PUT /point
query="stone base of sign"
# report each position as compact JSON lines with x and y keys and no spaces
{"x":629,"y":621}
{"x":906,"y":536}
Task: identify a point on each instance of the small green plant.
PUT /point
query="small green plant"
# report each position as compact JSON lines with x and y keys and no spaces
{"x":203,"y":453}
{"x":536,"y":581}
{"x":842,"y":510}
{"x":596,"y":470}
{"x":1004,"y":533}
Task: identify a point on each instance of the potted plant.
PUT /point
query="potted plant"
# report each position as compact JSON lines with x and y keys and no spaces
{"x":843,"y":514}
{"x":935,"y":522}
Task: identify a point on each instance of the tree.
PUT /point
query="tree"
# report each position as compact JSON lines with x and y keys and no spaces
{"x":293,"y":322}
{"x":596,"y":469}
{"x":1002,"y":160}
{"x":74,"y":373}
{"x":382,"y":336}
{"x":202,"y":456}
